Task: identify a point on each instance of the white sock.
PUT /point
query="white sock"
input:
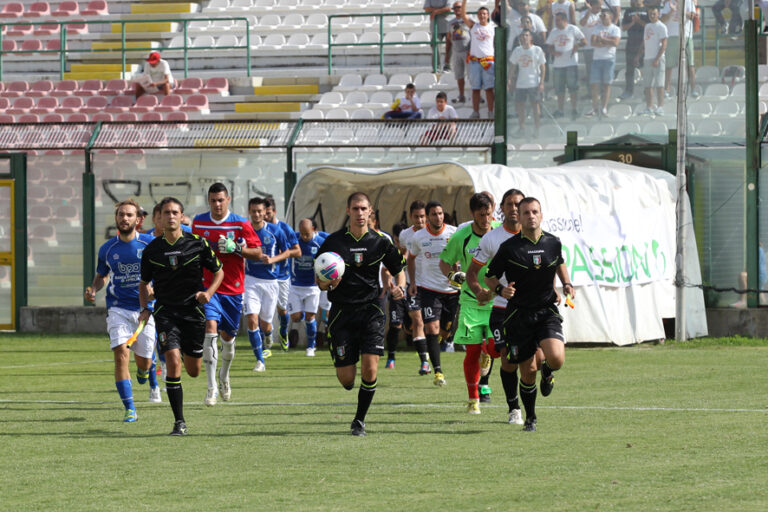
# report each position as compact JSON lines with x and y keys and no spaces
{"x":227,"y":355}
{"x":210,"y":357}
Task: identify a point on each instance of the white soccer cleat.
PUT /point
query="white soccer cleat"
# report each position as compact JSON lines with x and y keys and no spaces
{"x":210,"y":397}
{"x":259,"y":367}
{"x":154,"y":395}
{"x":224,"y":390}
{"x":515,"y":417}
{"x":310,"y":352}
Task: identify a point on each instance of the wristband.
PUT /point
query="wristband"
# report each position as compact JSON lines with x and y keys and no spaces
{"x":498,"y":289}
{"x":145,"y":308}
{"x":567,"y":284}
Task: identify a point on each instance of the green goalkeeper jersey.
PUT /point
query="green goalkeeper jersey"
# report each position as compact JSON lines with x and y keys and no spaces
{"x":461,"y":247}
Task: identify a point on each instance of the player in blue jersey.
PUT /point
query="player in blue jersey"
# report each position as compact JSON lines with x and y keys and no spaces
{"x":304,"y":296}
{"x":283,"y":275}
{"x":120,"y":261}
{"x":261,"y":280}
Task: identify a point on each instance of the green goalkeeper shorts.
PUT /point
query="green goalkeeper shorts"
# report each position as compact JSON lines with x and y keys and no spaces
{"x":472,"y":327}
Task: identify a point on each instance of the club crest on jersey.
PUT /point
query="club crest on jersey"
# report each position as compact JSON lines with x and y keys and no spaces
{"x":537,"y":260}
{"x":266,"y":240}
{"x":115,"y":257}
{"x":206,"y":233}
{"x":341,"y":352}
{"x":358,"y":258}
{"x":314,"y":250}
{"x":174,"y":261}
{"x":231,"y":235}
{"x":139,"y":252}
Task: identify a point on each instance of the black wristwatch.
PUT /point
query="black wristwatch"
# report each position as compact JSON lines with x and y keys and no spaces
{"x":498,"y":289}
{"x":145,"y":308}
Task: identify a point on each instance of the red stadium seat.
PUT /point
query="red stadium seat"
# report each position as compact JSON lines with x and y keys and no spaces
{"x":95,"y":8}
{"x":53,"y":44}
{"x":46,"y":30}
{"x":4,"y":103}
{"x":43,"y":233}
{"x":45,"y":105}
{"x":189,"y":86}
{"x":170,"y":103}
{"x":12,"y":10}
{"x":15,"y":89}
{"x":77,"y":118}
{"x":66,"y":8}
{"x":65,"y":88}
{"x":29,"y":118}
{"x":31,"y":45}
{"x":151,"y":117}
{"x":53,"y":118}
{"x":146,"y":103}
{"x":77,"y":28}
{"x":130,"y":117}
{"x":195,"y":103}
{"x":216,"y":85}
{"x":94,"y":105}
{"x":40,"y":88}
{"x":37,"y":9}
{"x":120,"y":104}
{"x":9,"y":45}
{"x":5,"y":119}
{"x":40,"y":213}
{"x":90,"y":87}
{"x":102,"y":116}
{"x":19,"y":30}
{"x":21,"y":105}
{"x":115,"y":87}
{"x":70,"y":104}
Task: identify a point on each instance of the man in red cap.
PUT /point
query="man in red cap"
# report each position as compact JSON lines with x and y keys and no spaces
{"x":158,"y":77}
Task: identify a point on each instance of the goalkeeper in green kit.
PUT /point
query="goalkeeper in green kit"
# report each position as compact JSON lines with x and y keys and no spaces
{"x":472,"y":327}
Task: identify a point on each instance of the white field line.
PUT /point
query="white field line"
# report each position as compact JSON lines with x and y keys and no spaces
{"x":61,"y":363}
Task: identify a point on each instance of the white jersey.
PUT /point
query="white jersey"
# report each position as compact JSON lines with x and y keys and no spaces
{"x":487,"y":249}
{"x":654,"y":34}
{"x":481,"y":43}
{"x":406,"y":235}
{"x":427,"y":246}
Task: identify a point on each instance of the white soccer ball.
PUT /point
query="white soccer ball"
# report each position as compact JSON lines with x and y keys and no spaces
{"x":329,"y":266}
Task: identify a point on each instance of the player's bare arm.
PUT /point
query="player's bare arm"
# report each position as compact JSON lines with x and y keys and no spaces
{"x":205,"y":297}
{"x":499,"y":289}
{"x":293,"y":252}
{"x":464,"y":16}
{"x":411,"y":262}
{"x":562,"y":274}
{"x":398,"y":286}
{"x":98,"y":283}
{"x":145,"y":291}
{"x":483,"y":295}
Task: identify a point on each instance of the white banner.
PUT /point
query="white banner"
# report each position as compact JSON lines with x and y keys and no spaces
{"x":615,"y":250}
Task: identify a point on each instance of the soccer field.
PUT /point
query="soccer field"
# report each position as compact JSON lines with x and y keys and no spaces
{"x":673,"y":427}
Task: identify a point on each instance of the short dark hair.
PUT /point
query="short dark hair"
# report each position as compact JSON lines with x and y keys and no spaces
{"x":270,"y":202}
{"x":167,"y":200}
{"x":398,"y":228}
{"x":156,"y":209}
{"x":431,"y":205}
{"x":561,"y":14}
{"x":527,"y":200}
{"x":218,"y":187}
{"x":410,"y":86}
{"x":483,"y":9}
{"x":128,"y":202}
{"x":357,"y":196}
{"x":649,"y":8}
{"x":417,"y":205}
{"x":257,"y":200}
{"x":442,"y":95}
{"x":511,"y":192}
{"x":479,"y":201}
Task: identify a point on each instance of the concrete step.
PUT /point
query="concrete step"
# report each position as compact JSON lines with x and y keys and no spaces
{"x":146,"y":27}
{"x":285,"y":106}
{"x":284,"y":89}
{"x":98,"y":68}
{"x":164,"y":7}
{"x":116,"y":45}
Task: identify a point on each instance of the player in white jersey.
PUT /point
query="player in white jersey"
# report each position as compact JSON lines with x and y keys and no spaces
{"x":487,"y":249}
{"x":437,"y":297}
{"x":418,"y":216}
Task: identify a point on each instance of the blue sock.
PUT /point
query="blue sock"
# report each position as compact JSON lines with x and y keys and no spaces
{"x":311,"y":333}
{"x":125,"y":389}
{"x":255,"y":338}
{"x":153,"y":373}
{"x":284,"y":319}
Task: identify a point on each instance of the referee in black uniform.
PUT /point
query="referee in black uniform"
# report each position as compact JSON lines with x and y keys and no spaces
{"x":175,"y":262}
{"x":530,"y":260}
{"x":356,"y":321}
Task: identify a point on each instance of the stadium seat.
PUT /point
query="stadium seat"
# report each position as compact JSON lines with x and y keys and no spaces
{"x":374,"y":82}
{"x":37,"y":9}
{"x":95,"y":8}
{"x":21,"y":105}
{"x":316,"y":21}
{"x":351,"y":82}
{"x":273,"y":42}
{"x":95,"y":104}
{"x":362,"y":113}
{"x":90,"y":87}
{"x":40,"y":88}
{"x":330,"y":100}
{"x":312,"y":3}
{"x":699,"y":110}
{"x":9,"y":45}
{"x":102,"y":116}
{"x":600,"y":132}
{"x":222,"y":25}
{"x":199,"y":25}
{"x":264,"y":5}
{"x":12,"y":10}
{"x":762,"y":73}
{"x":709,"y":128}
{"x":67,"y":213}
{"x":31,"y":45}
{"x":29,"y":118}
{"x":239,"y":5}
{"x":296,"y":42}
{"x":424,"y":81}
{"x":4,"y":104}
{"x":656,"y":128}
{"x":205,"y":41}
{"x":400,"y":80}
{"x":19,"y":31}
{"x":739,"y":91}
{"x":65,"y":88}
{"x":40,"y":213}
{"x":196,"y":103}
{"x":727,"y":108}
{"x":619,"y":111}
{"x":335,"y":4}
{"x":217,"y":5}
{"x":292,"y":21}
{"x":394,"y":37}
{"x":178,"y":43}
{"x":716,"y":92}
{"x":115,"y":87}
{"x":176,"y":116}
{"x":315,"y":136}
{"x":130,"y":117}
{"x":6,"y":119}
{"x":77,"y":28}
{"x":369,"y":38}
{"x":626,"y":128}
{"x":270,"y":21}
{"x":337,"y":113}
{"x":318,"y":42}
{"x":44,"y":233}
{"x":151,"y":117}
{"x":78,"y":118}
{"x":734,"y":128}
{"x":707,"y":74}
{"x":46,"y":30}
{"x":45,"y":105}
{"x":66,"y":8}
{"x":227,"y":40}
{"x":120,"y":104}
{"x":345,"y":38}
{"x":170,"y":103}
{"x":52,"y":118}
{"x":313,"y":114}
{"x":420,"y":36}
{"x":379,"y":99}
{"x":355,"y":99}
{"x":216,"y":85}
{"x":145,"y":103}
{"x":72,"y":104}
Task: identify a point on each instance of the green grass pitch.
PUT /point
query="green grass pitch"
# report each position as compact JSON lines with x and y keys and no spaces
{"x":671,"y":427}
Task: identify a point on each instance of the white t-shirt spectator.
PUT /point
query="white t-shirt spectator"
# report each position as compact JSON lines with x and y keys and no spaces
{"x":410,"y":105}
{"x":654,"y":33}
{"x":481,"y":44}
{"x":562,"y":7}
{"x":528,"y":64}
{"x":593,"y":21}
{"x":516,"y":27}
{"x":448,"y":113}
{"x":673,"y":23}
{"x":563,"y":41}
{"x":157,"y":73}
{"x":605,"y":52}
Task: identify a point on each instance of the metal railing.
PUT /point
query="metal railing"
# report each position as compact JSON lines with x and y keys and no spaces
{"x":63,"y":50}
{"x":433,"y":42}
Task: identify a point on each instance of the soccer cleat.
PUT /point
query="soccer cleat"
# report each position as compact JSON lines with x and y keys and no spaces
{"x":259,"y":367}
{"x":210,"y":397}
{"x":547,"y":380}
{"x":284,"y":342}
{"x":142,"y":376}
{"x":224,"y":390}
{"x":357,"y":428}
{"x":154,"y":395}
{"x":485,"y":393}
{"x":515,"y":417}
{"x":266,"y":353}
{"x":390,"y":364}
{"x":425,"y":369}
{"x":473,"y":406}
{"x":179,"y":429}
{"x":439,"y":379}
{"x":485,"y":364}
{"x":311,"y":352}
{"x":130,"y":416}
{"x":529,"y":425}
{"x":267,"y":342}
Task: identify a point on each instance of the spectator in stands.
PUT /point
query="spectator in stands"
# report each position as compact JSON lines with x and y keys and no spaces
{"x":544,"y":10}
{"x":655,"y":36}
{"x":566,"y":7}
{"x":539,"y":38}
{"x":633,"y":23}
{"x":158,"y":77}
{"x":736,"y":24}
{"x":605,"y":39}
{"x":537,"y":26}
{"x":670,"y":15}
{"x":564,"y":41}
{"x":408,"y":107}
{"x":590,"y":20}
{"x":459,"y":40}
{"x":439,"y":10}
{"x":441,"y":110}
{"x":529,"y":68}
{"x":481,"y":58}
{"x":614,"y":6}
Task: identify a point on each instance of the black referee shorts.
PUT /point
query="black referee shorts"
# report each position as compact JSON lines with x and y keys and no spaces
{"x":438,"y":306}
{"x":182,"y":328}
{"x":524,"y":329}
{"x":355,"y":329}
{"x":496,"y":323}
{"x":398,"y":312}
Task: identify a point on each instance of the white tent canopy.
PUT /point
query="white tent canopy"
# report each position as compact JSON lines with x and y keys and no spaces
{"x":616,"y":221}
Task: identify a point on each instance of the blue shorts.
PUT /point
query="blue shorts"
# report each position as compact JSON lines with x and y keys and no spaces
{"x":566,"y":77}
{"x":480,"y":78}
{"x":225,"y":309}
{"x":602,"y":71}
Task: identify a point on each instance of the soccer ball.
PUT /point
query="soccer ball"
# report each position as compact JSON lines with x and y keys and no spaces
{"x":329,"y":266}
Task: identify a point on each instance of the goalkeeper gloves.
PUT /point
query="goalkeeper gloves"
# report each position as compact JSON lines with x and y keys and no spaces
{"x":456,"y":279}
{"x":229,"y":246}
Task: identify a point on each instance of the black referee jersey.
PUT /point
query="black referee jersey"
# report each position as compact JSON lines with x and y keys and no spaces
{"x":531,"y":265}
{"x":177,"y":269}
{"x":362,"y":257}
